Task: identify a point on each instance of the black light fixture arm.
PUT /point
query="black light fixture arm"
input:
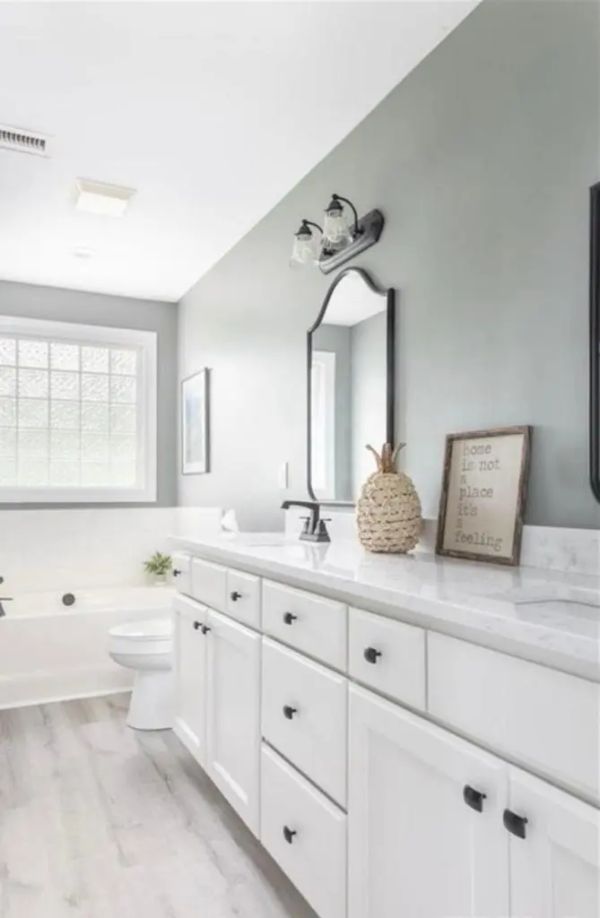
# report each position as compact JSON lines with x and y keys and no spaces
{"x":357,"y":229}
{"x":310,"y":223}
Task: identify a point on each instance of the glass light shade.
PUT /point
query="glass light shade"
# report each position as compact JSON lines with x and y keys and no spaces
{"x":336,"y":228}
{"x":304,"y":250}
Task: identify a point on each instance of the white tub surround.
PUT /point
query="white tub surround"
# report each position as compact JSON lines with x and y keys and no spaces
{"x":89,"y":548}
{"x":384,"y":725}
{"x":51,"y":652}
{"x":546,"y":616}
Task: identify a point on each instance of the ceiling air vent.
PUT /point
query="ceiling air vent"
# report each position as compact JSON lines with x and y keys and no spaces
{"x":22,"y":141}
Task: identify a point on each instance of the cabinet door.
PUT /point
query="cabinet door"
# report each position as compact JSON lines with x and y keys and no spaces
{"x":233,"y":714}
{"x":190,"y":675}
{"x":555,"y":868}
{"x":416,"y":848}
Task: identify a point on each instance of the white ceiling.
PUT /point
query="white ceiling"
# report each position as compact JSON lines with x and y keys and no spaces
{"x":212,"y":111}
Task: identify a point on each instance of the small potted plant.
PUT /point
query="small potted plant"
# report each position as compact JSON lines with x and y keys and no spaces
{"x":159,"y":567}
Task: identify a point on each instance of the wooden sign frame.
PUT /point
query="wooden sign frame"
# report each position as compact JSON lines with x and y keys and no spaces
{"x":512,"y":556}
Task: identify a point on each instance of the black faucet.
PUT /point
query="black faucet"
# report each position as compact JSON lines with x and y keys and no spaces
{"x":4,"y":599}
{"x":314,"y":529}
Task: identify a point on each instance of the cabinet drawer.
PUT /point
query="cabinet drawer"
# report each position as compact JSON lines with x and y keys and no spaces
{"x":209,"y":584}
{"x":310,"y":623}
{"x":540,"y":717}
{"x":305,"y":833}
{"x":304,"y":715}
{"x":182,"y":579}
{"x":387,"y":655}
{"x":243,"y":598}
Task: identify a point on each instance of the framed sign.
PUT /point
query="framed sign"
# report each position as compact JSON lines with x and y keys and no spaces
{"x":194,"y":424}
{"x":484,"y":490}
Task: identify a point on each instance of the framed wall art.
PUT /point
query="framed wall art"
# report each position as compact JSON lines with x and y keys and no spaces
{"x":195,"y":417}
{"x":484,"y":490}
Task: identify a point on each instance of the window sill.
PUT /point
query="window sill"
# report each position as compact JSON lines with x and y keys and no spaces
{"x":77,"y":496}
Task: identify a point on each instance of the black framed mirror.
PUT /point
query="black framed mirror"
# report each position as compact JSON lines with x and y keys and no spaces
{"x":350,"y":385}
{"x":595,"y":340}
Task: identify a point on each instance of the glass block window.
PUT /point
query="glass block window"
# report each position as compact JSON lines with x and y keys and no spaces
{"x":74,"y":414}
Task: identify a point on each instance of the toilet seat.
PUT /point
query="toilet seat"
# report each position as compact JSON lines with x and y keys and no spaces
{"x":150,"y":636}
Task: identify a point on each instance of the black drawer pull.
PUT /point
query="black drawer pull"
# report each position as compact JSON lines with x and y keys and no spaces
{"x":288,"y":711}
{"x":371,"y":655}
{"x":514,"y":823}
{"x":176,"y":573}
{"x":197,"y":625}
{"x":288,"y":834}
{"x":205,"y":629}
{"x":235,"y":596}
{"x":473,"y":798}
{"x":289,"y":618}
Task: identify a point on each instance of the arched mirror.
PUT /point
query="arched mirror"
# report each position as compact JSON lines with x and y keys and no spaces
{"x":350,"y":383}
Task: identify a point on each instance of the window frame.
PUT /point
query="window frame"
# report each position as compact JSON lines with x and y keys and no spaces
{"x":145,"y":342}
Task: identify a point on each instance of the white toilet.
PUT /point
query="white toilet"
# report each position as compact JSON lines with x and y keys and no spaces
{"x":147,"y":648}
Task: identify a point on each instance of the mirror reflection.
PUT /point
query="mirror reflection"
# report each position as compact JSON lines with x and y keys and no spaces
{"x":349,"y":392}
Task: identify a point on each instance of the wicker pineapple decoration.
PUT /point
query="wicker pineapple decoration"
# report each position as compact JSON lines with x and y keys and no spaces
{"x":389,"y":509}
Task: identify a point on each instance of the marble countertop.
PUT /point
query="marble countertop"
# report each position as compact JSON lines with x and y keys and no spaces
{"x":546,"y":616}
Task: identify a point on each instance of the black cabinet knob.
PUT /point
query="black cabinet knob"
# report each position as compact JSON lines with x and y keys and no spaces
{"x":288,"y":834}
{"x":289,"y":618}
{"x":288,"y":711}
{"x":197,"y":625}
{"x":473,"y":798}
{"x":371,"y":655}
{"x":176,"y":573}
{"x":514,"y":823}
{"x":205,"y":629}
{"x":235,"y":596}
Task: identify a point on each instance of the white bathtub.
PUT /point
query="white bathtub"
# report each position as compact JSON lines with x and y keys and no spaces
{"x":50,"y":652}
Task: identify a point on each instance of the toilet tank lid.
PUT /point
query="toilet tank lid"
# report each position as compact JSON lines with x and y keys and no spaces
{"x":148,"y":628}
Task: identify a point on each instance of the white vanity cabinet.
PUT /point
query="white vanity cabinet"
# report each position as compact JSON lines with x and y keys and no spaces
{"x":209,"y":583}
{"x":419,"y":844}
{"x":182,"y":572}
{"x":304,"y":716}
{"x":189,"y":624}
{"x":233,"y":714}
{"x":425,"y":833}
{"x":377,"y":760}
{"x":217,"y":701}
{"x":555,"y":868}
{"x":305,"y":833}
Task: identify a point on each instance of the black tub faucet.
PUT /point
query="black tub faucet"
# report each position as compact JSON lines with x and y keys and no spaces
{"x":314,"y":529}
{"x":4,"y":599}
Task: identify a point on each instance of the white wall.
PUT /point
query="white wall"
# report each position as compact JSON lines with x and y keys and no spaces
{"x":75,"y":549}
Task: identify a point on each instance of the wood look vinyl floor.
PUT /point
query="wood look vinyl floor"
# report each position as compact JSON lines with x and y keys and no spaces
{"x":100,"y":821}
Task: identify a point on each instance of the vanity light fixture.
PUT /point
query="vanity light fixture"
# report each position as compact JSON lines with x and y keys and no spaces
{"x":305,"y":250}
{"x":337,"y":228}
{"x":342,"y":236}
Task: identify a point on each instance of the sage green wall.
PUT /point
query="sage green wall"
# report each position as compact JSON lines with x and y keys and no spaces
{"x":481,"y":161}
